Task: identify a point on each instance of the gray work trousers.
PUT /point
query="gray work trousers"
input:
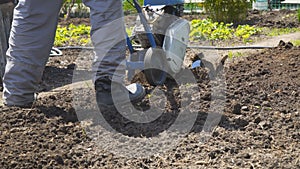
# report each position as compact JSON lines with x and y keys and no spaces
{"x":6,"y":13}
{"x":32,"y":36}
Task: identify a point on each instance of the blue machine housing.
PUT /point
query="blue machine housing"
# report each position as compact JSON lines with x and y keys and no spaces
{"x":163,"y":2}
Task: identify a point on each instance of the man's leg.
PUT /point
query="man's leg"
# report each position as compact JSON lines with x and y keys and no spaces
{"x":6,"y":13}
{"x":32,"y":35}
{"x":108,"y":37}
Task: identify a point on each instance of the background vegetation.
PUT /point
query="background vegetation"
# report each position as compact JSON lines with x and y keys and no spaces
{"x":222,"y":14}
{"x":73,"y":7}
{"x":299,"y":15}
{"x":206,"y":29}
{"x":128,"y":8}
{"x":227,"y":10}
{"x":72,"y":35}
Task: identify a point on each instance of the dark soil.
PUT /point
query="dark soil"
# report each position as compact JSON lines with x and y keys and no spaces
{"x":259,"y":125}
{"x":278,"y":19}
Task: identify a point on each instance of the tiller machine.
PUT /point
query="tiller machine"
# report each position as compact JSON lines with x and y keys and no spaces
{"x":161,"y":37}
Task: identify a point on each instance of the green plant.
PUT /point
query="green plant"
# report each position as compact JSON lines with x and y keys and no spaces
{"x":129,"y":31}
{"x":296,"y":42}
{"x":127,"y":5}
{"x":245,"y":32}
{"x":206,"y":29}
{"x":279,"y":31}
{"x":234,"y":54}
{"x":192,"y":6}
{"x":227,"y":10}
{"x":72,"y":35}
{"x":298,"y":14}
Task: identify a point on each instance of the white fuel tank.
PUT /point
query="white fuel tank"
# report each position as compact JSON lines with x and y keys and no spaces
{"x":175,"y":44}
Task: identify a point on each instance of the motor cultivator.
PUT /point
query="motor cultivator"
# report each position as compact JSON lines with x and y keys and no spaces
{"x":162,"y":38}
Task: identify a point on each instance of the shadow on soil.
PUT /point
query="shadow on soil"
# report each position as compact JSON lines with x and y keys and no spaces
{"x":132,"y":129}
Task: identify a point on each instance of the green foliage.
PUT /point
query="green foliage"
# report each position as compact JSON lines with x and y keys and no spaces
{"x":206,"y":29}
{"x":296,"y":42}
{"x":72,"y":35}
{"x":227,"y":10}
{"x":127,"y":7}
{"x":68,"y":3}
{"x":193,"y":7}
{"x":246,"y":31}
{"x":279,"y":31}
{"x":129,"y":31}
{"x":298,"y":14}
{"x":234,"y":54}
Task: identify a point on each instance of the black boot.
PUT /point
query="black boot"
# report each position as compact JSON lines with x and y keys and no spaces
{"x":111,"y":93}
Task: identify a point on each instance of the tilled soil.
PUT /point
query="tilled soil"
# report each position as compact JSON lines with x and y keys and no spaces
{"x":258,"y":127}
{"x":278,"y":19}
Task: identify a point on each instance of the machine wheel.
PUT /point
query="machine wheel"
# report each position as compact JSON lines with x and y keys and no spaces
{"x":155,"y":66}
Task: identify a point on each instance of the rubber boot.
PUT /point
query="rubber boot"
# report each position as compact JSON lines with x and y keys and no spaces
{"x":112,"y":93}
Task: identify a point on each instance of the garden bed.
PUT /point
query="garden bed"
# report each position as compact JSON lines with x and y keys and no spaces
{"x":259,"y":127}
